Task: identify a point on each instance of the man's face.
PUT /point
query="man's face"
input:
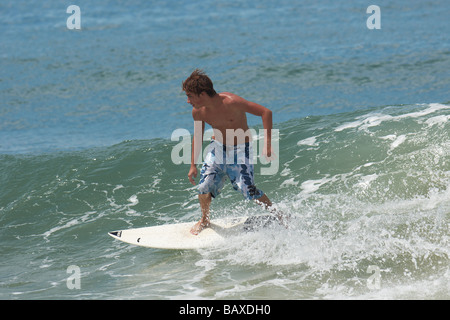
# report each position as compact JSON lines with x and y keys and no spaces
{"x":195,"y":100}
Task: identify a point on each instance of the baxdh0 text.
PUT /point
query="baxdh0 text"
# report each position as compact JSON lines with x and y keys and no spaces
{"x":246,"y":309}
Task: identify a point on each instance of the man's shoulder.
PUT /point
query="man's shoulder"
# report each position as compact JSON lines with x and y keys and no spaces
{"x":231,"y":98}
{"x":197,"y":114}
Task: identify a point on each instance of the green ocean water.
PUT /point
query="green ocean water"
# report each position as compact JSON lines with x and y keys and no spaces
{"x":365,"y":188}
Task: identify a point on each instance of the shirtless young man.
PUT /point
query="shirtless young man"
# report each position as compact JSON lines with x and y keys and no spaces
{"x":226,"y":113}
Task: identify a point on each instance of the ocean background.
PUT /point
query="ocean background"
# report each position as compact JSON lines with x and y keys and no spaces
{"x":86,"y":118}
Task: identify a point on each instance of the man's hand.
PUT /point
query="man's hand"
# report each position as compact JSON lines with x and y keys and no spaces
{"x":192,"y":172}
{"x":268,"y":153}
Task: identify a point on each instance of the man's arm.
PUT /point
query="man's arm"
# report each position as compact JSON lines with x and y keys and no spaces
{"x":196,"y":147}
{"x":266,"y":116}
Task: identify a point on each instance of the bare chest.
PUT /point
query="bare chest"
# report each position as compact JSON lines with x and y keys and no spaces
{"x":225,"y":119}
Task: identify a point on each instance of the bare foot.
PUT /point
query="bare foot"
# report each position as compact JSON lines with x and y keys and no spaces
{"x":283,"y":219}
{"x":199,"y":226}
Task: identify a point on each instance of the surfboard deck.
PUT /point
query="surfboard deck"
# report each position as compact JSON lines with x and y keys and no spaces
{"x":178,"y":235}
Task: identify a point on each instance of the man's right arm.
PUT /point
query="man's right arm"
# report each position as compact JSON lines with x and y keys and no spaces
{"x":197,"y":143}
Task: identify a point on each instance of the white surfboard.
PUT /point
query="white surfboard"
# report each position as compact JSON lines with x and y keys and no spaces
{"x":178,"y":236}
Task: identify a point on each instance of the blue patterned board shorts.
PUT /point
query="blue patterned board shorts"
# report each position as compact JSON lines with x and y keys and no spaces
{"x":234,"y":162}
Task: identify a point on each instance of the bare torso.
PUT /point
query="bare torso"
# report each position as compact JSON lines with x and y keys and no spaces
{"x":226,"y":117}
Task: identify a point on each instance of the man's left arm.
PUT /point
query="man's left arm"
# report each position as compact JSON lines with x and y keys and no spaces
{"x":266,"y":116}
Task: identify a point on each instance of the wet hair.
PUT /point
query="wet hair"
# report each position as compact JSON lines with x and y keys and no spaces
{"x":198,"y":82}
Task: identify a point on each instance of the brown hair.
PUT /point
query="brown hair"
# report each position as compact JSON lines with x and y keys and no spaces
{"x":198,"y":82}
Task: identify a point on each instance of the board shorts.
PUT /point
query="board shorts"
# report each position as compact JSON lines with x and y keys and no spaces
{"x":234,"y":162}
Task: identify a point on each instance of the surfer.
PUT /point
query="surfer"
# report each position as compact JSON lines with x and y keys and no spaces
{"x":230,"y":152}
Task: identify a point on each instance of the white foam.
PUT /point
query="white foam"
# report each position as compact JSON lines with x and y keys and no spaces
{"x":398,"y":141}
{"x":435,"y":287}
{"x":310,"y":186}
{"x":389,"y":137}
{"x":285,"y":172}
{"x":119,"y":186}
{"x":368,"y":164}
{"x":433,"y":107}
{"x":289,"y":182}
{"x":372,"y":120}
{"x":438,"y":120}
{"x":322,"y":242}
{"x":134,"y":200}
{"x":367,"y":180}
{"x":68,"y":224}
{"x":311,"y":141}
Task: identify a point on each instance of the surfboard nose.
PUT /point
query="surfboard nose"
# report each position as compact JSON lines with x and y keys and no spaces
{"x":115,"y":233}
